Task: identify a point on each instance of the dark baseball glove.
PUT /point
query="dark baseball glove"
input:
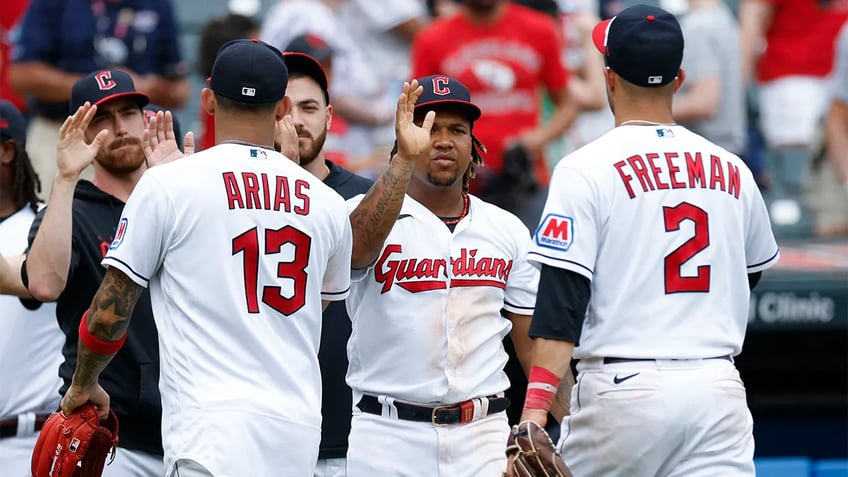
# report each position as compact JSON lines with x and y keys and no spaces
{"x":532,"y":453}
{"x":75,"y":445}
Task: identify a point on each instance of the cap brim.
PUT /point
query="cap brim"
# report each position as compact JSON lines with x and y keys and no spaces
{"x":472,"y":111}
{"x":141,"y":98}
{"x":303,"y":63}
{"x":599,"y":35}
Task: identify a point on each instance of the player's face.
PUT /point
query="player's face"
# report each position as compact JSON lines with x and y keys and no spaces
{"x":311,"y":116}
{"x":451,"y":153}
{"x":122,"y":152}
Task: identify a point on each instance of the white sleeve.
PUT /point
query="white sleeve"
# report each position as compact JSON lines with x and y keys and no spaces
{"x":568,"y":234}
{"x":523,"y":281}
{"x":387,"y":14}
{"x":143,"y":232}
{"x":336,"y":285}
{"x":761,"y":250}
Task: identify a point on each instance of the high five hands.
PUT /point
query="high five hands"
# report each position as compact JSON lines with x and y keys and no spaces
{"x":160,"y":143}
{"x":413,"y":141}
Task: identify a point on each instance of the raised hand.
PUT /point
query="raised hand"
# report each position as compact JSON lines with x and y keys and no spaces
{"x":160,"y":143}
{"x":413,"y":141}
{"x":73,"y":152}
{"x":285,"y":138}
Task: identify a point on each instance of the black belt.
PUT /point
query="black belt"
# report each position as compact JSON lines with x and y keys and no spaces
{"x":9,"y":426}
{"x":439,"y":415}
{"x":632,"y":360}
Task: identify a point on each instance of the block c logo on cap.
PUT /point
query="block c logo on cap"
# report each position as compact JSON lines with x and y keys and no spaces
{"x":440,"y":85}
{"x":105,"y":81}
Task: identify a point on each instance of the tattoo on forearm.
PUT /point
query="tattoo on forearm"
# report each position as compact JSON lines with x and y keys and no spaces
{"x":113,"y":305}
{"x":89,"y":366}
{"x":370,"y":221}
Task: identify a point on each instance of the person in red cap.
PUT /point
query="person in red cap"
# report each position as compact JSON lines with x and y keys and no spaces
{"x":440,"y":278}
{"x":649,"y":244}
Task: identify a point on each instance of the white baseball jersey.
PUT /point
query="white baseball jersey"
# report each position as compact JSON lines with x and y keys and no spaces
{"x":667,"y":226}
{"x":30,"y":340}
{"x":426,"y":316}
{"x":239,"y":246}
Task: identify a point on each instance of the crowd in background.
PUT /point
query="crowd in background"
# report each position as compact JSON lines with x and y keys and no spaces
{"x":765,"y":79}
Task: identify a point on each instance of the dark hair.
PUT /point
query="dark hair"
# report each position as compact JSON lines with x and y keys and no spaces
{"x":218,"y":31}
{"x":227,"y":104}
{"x":27,"y":185}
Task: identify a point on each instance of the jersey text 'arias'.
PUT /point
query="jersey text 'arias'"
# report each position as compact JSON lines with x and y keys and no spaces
{"x":251,"y":191}
{"x":678,"y":171}
{"x":423,"y":274}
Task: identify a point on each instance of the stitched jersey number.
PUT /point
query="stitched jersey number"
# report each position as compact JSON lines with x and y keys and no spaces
{"x":674,"y":281}
{"x":248,"y":242}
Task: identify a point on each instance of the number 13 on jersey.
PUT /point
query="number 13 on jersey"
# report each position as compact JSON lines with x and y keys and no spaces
{"x":295,"y":270}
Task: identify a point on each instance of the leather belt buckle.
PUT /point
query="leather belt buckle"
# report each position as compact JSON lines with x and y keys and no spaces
{"x":434,"y":417}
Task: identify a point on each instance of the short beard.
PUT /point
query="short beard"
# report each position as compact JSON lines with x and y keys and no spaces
{"x":441,"y":182}
{"x":123,"y":164}
{"x":309,"y":153}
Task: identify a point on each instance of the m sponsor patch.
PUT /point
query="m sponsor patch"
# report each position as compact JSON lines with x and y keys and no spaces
{"x":119,"y":234}
{"x":556,"y":232}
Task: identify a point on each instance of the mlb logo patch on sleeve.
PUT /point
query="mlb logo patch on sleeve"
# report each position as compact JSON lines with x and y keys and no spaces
{"x":556,"y":232}
{"x":119,"y":234}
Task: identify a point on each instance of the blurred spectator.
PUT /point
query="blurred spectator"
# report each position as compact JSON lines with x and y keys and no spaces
{"x":213,"y":35}
{"x":357,"y":97}
{"x":504,"y":53}
{"x":440,"y":8}
{"x":712,"y":99}
{"x":787,"y":46}
{"x":61,"y":41}
{"x":831,"y":213}
{"x":11,"y":12}
{"x":586,"y":83}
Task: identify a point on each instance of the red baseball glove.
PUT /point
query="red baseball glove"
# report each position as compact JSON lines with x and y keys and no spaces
{"x":531,"y":453}
{"x":75,"y":445}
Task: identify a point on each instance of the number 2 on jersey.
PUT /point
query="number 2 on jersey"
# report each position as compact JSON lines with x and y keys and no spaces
{"x":248,"y":242}
{"x":674,"y":281}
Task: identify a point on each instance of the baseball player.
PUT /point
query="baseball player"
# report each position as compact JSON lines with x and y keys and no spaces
{"x":239,"y":247}
{"x":69,"y":238}
{"x":311,"y":115}
{"x":441,"y":278}
{"x":30,"y":339}
{"x":649,"y":243}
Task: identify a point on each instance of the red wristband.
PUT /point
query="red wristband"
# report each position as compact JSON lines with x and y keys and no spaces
{"x":95,"y":344}
{"x":541,"y":388}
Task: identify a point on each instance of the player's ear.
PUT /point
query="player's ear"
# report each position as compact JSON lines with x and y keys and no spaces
{"x":283,"y":108}
{"x":610,"y":78}
{"x":207,"y":101}
{"x":329,"y":115}
{"x":7,"y":152}
{"x":679,"y":79}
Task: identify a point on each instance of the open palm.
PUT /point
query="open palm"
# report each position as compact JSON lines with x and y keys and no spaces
{"x":73,"y":152}
{"x":413,"y":141}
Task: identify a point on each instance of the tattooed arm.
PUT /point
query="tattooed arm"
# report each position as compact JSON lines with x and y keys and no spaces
{"x":108,"y":319}
{"x":373,"y":218}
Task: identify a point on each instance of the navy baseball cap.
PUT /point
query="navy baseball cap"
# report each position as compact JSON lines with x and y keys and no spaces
{"x":305,"y":64}
{"x":643,"y":44}
{"x":249,"y":71}
{"x":444,"y":90}
{"x":104,"y":85}
{"x":12,"y":124}
{"x":312,"y":45}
